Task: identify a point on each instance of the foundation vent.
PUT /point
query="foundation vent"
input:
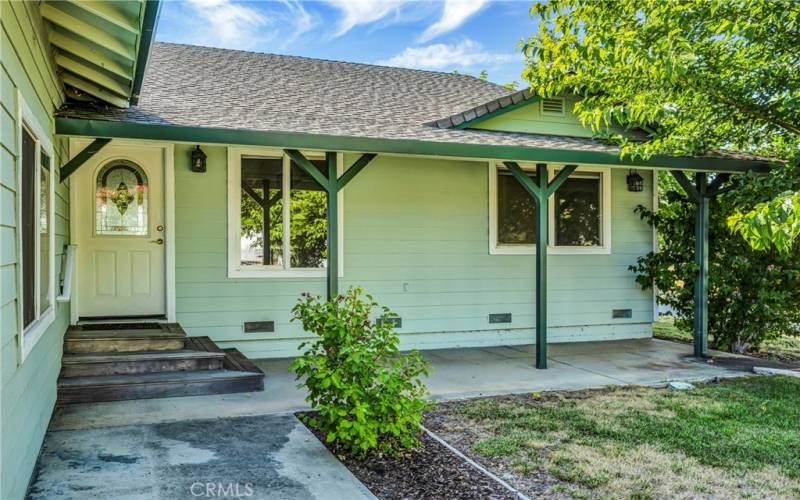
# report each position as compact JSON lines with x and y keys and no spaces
{"x":499,"y":318}
{"x":259,"y":326}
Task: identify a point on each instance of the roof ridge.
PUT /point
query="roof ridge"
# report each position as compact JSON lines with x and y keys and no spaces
{"x":337,"y":61}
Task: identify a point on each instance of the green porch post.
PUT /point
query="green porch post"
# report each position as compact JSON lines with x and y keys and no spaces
{"x":332,"y":185}
{"x":700,"y":193}
{"x":542,"y":235}
{"x":540,"y":190}
{"x":333,"y":227}
{"x":701,"y":259}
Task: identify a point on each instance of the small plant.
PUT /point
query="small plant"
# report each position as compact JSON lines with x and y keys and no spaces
{"x":368,"y":396}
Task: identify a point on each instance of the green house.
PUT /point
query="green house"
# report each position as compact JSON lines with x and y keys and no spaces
{"x":209,"y":188}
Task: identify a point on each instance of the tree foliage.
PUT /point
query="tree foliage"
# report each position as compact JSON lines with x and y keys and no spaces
{"x":695,"y":75}
{"x":367,"y":394}
{"x":753,"y":294}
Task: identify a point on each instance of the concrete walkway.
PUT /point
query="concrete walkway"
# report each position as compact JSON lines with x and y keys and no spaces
{"x":265,"y":457}
{"x":457,"y":373}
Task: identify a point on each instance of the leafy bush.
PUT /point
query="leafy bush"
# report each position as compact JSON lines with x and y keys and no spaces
{"x":754,"y":295}
{"x":367,"y":394}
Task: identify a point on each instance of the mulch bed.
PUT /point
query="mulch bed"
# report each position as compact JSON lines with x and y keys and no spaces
{"x":427,"y":473}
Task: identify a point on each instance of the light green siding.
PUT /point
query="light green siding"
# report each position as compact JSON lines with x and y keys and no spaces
{"x":529,"y":119}
{"x":27,"y":390}
{"x":416,"y":237}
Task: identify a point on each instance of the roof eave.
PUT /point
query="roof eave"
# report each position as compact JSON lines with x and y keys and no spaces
{"x":149,"y":23}
{"x":174,"y":133}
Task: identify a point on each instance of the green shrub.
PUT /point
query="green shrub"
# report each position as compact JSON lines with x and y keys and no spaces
{"x":367,"y":394}
{"x":753,"y":295}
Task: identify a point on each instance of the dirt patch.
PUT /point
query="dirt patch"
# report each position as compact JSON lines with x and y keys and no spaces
{"x":432,"y":471}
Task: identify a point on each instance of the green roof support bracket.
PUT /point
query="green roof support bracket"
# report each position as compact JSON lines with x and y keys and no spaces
{"x":700,"y":193}
{"x":332,"y":184}
{"x":540,"y":188}
{"x":92,"y":149}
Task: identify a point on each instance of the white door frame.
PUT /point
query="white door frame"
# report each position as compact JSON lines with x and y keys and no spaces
{"x":76,"y":145}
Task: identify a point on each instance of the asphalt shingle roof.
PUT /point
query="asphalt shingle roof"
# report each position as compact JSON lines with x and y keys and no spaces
{"x":196,"y":86}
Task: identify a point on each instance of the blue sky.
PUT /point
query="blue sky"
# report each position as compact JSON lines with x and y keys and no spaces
{"x":444,"y":35}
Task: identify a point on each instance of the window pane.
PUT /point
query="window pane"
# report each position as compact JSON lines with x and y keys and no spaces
{"x":121,"y":200}
{"x":262,"y":212}
{"x":309,"y":221}
{"x":577,"y":211}
{"x":516,"y":212}
{"x":44,"y":233}
{"x":28,"y":196}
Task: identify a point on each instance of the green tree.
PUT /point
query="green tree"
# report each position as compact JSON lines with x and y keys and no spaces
{"x":753,"y":294}
{"x":696,"y":75}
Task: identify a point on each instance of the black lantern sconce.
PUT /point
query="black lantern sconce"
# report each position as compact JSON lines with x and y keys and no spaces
{"x":198,"y":160}
{"x":635,"y":182}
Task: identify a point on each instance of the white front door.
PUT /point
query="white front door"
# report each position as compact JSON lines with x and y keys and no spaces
{"x":120,"y":233}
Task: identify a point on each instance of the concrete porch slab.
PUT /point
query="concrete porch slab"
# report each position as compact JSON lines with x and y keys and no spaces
{"x":271,"y":456}
{"x":457,"y":373}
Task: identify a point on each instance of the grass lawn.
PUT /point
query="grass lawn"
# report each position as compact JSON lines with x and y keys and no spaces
{"x":732,"y":439}
{"x":785,"y":349}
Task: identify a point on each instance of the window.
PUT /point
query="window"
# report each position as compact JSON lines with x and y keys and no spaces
{"x":578,"y":223}
{"x":278,"y":217}
{"x":121,"y":200}
{"x":36,"y":241}
{"x":577,"y":211}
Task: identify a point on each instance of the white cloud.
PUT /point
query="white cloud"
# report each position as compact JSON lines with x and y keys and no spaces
{"x":455,"y":13}
{"x":355,"y":12}
{"x":467,"y":53}
{"x":300,"y":20}
{"x":228,"y":24}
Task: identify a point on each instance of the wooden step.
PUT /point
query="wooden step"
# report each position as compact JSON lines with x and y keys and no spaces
{"x":157,"y":385}
{"x":110,"y":363}
{"x":85,"y":339}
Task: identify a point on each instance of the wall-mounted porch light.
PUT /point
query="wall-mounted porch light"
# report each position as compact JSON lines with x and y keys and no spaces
{"x":635,"y":182}
{"x":198,"y":160}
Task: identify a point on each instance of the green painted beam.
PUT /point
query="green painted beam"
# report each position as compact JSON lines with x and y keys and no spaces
{"x":542,"y":232}
{"x":92,"y":149}
{"x":560,"y":178}
{"x":308,"y":167}
{"x":93,"y":75}
{"x":687,"y":186}
{"x":152,"y":10}
{"x":333,"y":227}
{"x":87,"y":31}
{"x":91,"y":55}
{"x":94,"y":90}
{"x":354,"y":169}
{"x":530,"y":185}
{"x":701,"y":259}
{"x":325,"y":142}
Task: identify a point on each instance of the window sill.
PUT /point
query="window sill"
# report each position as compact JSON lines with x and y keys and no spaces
{"x":551,"y":250}
{"x":35,"y":331}
{"x":277,"y":273}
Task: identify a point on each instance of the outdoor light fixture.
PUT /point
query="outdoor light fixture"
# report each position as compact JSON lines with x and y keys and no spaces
{"x":198,"y":160}
{"x":635,"y":182}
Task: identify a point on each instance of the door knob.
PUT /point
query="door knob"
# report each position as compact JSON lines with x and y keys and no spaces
{"x":159,"y":241}
{"x":160,"y":228}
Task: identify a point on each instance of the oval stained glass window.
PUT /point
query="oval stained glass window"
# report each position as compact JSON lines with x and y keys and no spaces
{"x":121,"y":200}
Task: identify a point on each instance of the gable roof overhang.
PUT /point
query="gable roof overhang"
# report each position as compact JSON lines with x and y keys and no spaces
{"x":77,"y":127}
{"x":101,"y":48}
{"x":487,"y":110}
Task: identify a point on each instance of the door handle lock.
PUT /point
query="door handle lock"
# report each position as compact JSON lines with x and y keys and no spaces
{"x":160,"y":228}
{"x":159,"y":241}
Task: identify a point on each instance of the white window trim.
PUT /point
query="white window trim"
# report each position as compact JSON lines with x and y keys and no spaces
{"x":235,"y":269}
{"x":30,"y":336}
{"x":605,"y":215}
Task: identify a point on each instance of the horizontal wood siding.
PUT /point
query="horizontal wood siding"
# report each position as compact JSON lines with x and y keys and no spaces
{"x":416,"y":237}
{"x":27,"y":390}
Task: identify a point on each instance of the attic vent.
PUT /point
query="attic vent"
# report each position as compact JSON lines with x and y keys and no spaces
{"x":553,"y":106}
